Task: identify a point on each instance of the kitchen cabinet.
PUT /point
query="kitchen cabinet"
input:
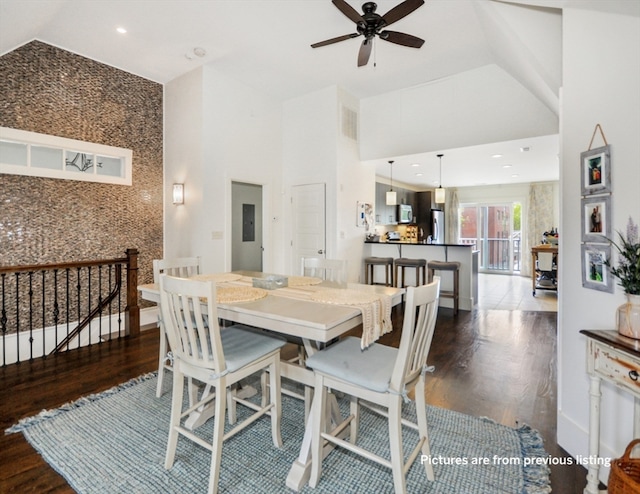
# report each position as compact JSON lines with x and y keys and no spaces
{"x":387,"y":215}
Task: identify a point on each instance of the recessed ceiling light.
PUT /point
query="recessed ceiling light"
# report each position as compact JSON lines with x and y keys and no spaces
{"x":196,"y":52}
{"x":415,"y":164}
{"x":507,"y":166}
{"x":525,"y":149}
{"x":418,"y":174}
{"x":121,"y":30}
{"x":515,"y":175}
{"x":199,"y":52}
{"x":496,"y":156}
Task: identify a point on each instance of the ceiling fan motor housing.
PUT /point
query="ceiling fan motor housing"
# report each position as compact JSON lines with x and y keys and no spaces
{"x":371,"y":22}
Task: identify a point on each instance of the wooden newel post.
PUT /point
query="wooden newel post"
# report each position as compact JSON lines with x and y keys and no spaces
{"x":132,"y":321}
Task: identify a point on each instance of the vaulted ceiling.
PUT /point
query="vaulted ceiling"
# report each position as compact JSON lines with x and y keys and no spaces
{"x":266,"y":43}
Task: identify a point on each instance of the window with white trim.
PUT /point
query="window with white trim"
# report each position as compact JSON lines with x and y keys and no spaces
{"x":42,"y":155}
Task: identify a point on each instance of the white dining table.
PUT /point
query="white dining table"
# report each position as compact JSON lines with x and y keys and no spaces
{"x":314,"y":322}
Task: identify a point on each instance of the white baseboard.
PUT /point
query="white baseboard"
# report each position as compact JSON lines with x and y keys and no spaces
{"x":149,"y":317}
{"x":575,"y":440}
{"x":9,"y":345}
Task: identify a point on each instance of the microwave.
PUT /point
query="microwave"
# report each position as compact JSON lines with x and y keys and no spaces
{"x":405,"y":213}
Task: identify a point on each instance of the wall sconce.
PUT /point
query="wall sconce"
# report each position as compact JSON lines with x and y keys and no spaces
{"x":440,"y":192}
{"x":178,"y":194}
{"x":391,"y":198}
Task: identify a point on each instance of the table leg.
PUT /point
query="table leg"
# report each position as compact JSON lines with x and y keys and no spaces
{"x":300,"y":471}
{"x":594,"y":435}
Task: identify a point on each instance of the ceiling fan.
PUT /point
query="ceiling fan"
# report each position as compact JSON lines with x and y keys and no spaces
{"x":370,"y":24}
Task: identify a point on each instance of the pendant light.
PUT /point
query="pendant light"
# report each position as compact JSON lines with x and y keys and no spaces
{"x":440,"y":192}
{"x":391,"y":195}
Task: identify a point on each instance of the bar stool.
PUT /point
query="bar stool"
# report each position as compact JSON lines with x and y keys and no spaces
{"x":369,"y":269}
{"x":454,"y":267}
{"x":419,"y":264}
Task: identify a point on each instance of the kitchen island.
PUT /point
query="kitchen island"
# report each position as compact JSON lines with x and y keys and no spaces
{"x":465,"y":254}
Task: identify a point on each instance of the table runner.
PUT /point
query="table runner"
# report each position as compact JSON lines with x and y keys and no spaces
{"x":376,"y":314}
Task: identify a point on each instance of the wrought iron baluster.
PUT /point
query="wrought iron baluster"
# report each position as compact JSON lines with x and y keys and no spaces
{"x":56,"y":307}
{"x":119,"y":282}
{"x":88,"y":302}
{"x":44,"y":313}
{"x":30,"y":315}
{"x":100,"y":301}
{"x":78,"y":295}
{"x":3,"y":321}
{"x":18,"y":317}
{"x":68,"y":304}
{"x":110,"y":300}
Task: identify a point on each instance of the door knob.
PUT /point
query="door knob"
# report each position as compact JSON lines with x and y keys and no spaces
{"x":321,"y":251}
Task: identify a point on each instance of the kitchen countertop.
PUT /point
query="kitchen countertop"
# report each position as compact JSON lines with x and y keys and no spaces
{"x":401,"y":242}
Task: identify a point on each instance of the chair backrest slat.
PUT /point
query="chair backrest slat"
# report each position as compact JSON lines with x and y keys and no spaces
{"x":194,"y":335}
{"x":421,"y":310}
{"x":328,"y":269}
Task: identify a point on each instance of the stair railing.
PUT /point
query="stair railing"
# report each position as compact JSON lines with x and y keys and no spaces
{"x":49,"y":308}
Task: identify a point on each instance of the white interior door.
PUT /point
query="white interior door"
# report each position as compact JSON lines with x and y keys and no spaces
{"x":246,"y":227}
{"x":309,"y":229}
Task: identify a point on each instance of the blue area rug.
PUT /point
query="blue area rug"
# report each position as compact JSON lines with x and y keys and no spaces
{"x":115,"y":442}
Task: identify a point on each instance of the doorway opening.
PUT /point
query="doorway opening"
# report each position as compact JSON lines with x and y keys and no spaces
{"x":246,"y":227}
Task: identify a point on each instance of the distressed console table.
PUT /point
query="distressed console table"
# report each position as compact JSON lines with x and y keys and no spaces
{"x":616,"y":359}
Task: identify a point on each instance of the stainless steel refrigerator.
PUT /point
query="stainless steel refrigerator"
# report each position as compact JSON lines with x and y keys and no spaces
{"x":437,"y":226}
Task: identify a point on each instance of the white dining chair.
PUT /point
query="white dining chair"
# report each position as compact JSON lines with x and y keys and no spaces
{"x":183,"y":267}
{"x":334,"y":270}
{"x":382,"y":376}
{"x":217,"y":358}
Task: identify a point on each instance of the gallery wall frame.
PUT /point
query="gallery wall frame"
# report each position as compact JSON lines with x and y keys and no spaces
{"x":595,"y":171}
{"x":596,"y":218}
{"x":595,"y":273}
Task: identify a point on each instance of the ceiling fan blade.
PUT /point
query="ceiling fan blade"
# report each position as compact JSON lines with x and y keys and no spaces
{"x":400,"y":11}
{"x":365,"y":52}
{"x":348,"y":10}
{"x":401,"y":39}
{"x":334,"y":40}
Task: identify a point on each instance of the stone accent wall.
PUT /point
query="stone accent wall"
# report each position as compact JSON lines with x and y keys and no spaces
{"x":51,"y":91}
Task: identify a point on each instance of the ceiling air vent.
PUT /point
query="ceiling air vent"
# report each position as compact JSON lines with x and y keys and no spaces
{"x":349,"y":123}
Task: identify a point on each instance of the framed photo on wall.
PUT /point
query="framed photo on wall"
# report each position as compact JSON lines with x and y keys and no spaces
{"x":596,"y":219}
{"x":596,"y":171}
{"x":595,"y":274}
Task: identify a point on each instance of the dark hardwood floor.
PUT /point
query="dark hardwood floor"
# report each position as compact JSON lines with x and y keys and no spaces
{"x":498,"y":364}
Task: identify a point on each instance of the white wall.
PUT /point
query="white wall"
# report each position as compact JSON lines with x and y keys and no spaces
{"x":242,"y":142}
{"x":601,"y":82}
{"x":475,"y":107}
{"x":356,"y":182}
{"x":183,"y":163}
{"x":310,"y":130}
{"x":218,"y":131}
{"x":315,"y":151}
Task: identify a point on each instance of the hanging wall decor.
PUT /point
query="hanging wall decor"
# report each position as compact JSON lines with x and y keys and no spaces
{"x":595,"y":215}
{"x":595,"y":274}
{"x":596,"y":219}
{"x":596,"y":167}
